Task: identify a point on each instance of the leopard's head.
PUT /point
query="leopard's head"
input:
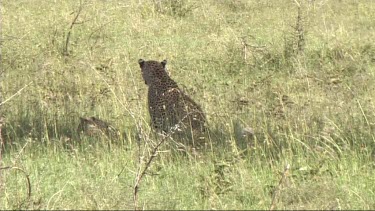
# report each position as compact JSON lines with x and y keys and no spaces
{"x":153,"y":71}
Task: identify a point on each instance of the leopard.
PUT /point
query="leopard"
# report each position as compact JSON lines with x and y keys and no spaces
{"x":168,"y":105}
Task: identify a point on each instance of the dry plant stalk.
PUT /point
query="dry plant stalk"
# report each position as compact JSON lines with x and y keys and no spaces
{"x":2,"y":141}
{"x":141,"y":172}
{"x":19,"y":169}
{"x":249,"y":47}
{"x":295,"y":42}
{"x":300,"y":32}
{"x":24,"y":173}
{"x":244,"y":44}
{"x":277,"y":189}
{"x":17,"y":93}
{"x":74,"y":22}
{"x":1,"y":151}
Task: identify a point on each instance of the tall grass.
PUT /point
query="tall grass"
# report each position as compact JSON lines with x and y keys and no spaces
{"x":300,"y":81}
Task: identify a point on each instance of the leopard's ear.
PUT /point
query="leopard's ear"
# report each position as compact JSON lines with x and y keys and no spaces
{"x":164,"y":62}
{"x":141,"y":62}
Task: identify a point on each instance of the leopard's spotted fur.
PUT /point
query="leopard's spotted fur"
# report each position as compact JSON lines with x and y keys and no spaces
{"x":168,"y":104}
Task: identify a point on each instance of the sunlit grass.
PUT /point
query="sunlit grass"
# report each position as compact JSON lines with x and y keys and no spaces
{"x":311,"y":109}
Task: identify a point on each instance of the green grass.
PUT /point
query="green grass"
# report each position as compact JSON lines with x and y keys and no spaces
{"x":311,"y":108}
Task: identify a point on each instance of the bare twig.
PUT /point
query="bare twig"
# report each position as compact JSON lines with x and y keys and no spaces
{"x":17,"y":93}
{"x":1,"y":103}
{"x":1,"y":149}
{"x":74,"y":22}
{"x":19,"y":169}
{"x":244,"y":44}
{"x":300,"y":31}
{"x":26,"y":175}
{"x":277,"y":189}
{"x":20,"y":152}
{"x":297,"y":3}
{"x":2,"y":142}
{"x":141,"y":173}
{"x":99,"y":28}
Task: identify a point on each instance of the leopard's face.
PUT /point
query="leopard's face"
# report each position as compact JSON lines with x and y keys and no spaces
{"x":153,"y":71}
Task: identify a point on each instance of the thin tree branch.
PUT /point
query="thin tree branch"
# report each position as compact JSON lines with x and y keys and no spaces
{"x":277,"y":190}
{"x":17,"y":93}
{"x":65,"y":52}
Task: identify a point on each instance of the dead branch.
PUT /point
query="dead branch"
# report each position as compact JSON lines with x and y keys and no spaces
{"x":24,"y":173}
{"x":17,"y":93}
{"x":74,"y":22}
{"x":141,"y":173}
{"x":1,"y":149}
{"x":277,"y":189}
